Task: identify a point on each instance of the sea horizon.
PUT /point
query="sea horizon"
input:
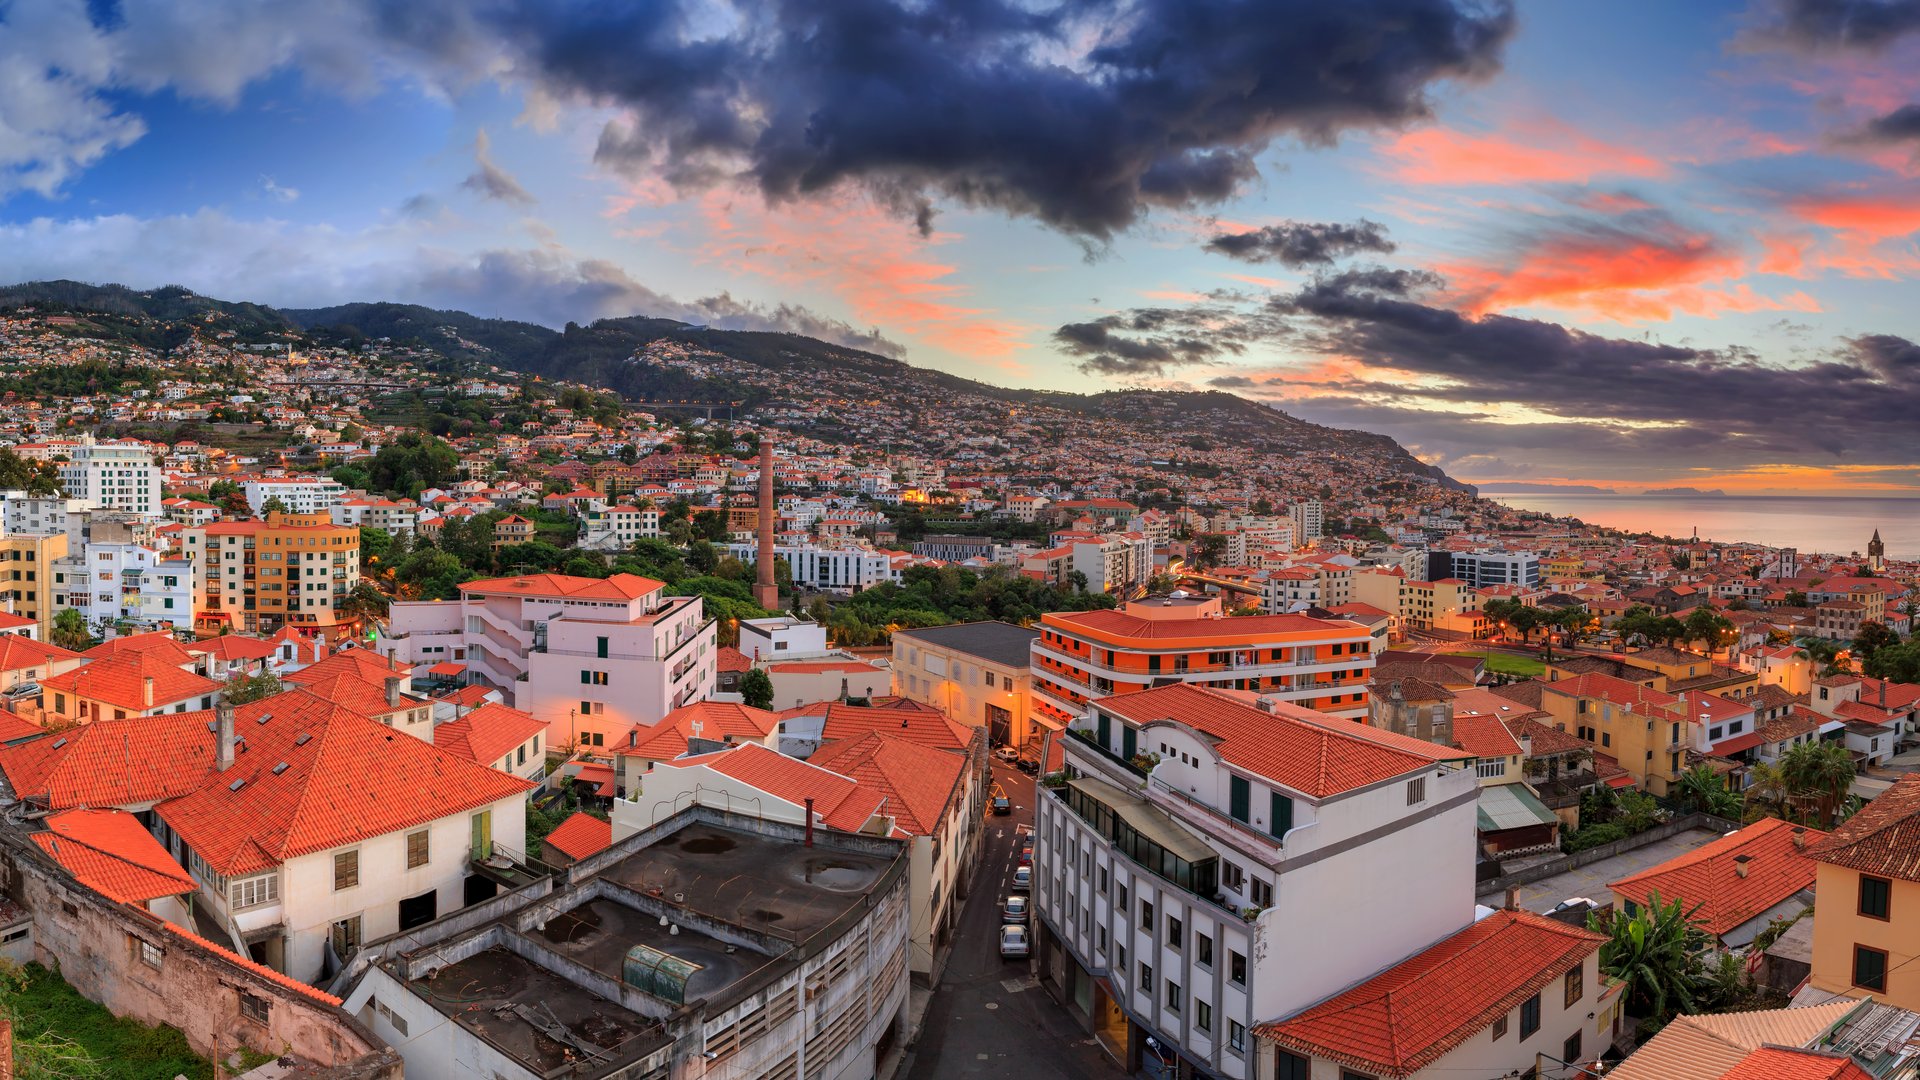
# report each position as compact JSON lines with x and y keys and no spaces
{"x":1826,"y":524}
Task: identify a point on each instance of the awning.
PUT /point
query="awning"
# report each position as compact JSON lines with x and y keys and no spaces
{"x":1733,"y":746}
{"x":446,"y":669}
{"x":1147,"y":820}
{"x":1620,"y":781}
{"x":1511,"y":806}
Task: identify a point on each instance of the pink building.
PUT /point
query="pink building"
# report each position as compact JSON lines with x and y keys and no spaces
{"x":588,"y":657}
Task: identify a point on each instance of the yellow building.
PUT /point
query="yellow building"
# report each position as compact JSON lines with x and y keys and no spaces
{"x":1644,"y":730}
{"x":1866,"y":927}
{"x":977,"y":673}
{"x":26,"y":576}
{"x":512,"y":529}
{"x":1665,"y":669}
{"x":288,"y":570}
{"x":1448,"y":604}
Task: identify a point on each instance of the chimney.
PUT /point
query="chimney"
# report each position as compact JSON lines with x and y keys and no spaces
{"x":633,"y":737}
{"x":223,"y":736}
{"x":1799,"y":836}
{"x":1513,"y":899}
{"x":1740,"y":864}
{"x":765,"y":592}
{"x":809,"y":822}
{"x":393,"y":691}
{"x":148,"y":690}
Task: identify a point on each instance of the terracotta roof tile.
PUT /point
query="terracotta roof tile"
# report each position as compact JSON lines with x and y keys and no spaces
{"x":1792,"y":1063}
{"x":918,"y":783}
{"x":121,"y":681}
{"x":1883,"y":838}
{"x":1411,"y":1015}
{"x":125,"y":763}
{"x":259,"y":969}
{"x":614,"y":587}
{"x":18,"y":651}
{"x":580,"y":836}
{"x":837,"y":799}
{"x":1711,"y":875}
{"x":110,"y":852}
{"x":488,"y":733}
{"x":715,"y":719}
{"x":905,"y":719}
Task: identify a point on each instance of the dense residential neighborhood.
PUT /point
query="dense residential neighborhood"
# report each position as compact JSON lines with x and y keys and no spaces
{"x":385,"y":713}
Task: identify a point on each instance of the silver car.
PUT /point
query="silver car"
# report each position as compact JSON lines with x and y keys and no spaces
{"x":1014,"y":943}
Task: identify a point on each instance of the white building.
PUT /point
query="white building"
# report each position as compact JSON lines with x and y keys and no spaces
{"x":1203,"y":861}
{"x":1308,"y":520}
{"x":589,"y":657}
{"x":1485,"y":569}
{"x":827,"y":569}
{"x":782,"y":636}
{"x":44,"y":515}
{"x":112,"y":583}
{"x":115,"y":475}
{"x":306,"y":495}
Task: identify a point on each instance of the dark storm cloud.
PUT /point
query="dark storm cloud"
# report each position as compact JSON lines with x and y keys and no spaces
{"x":1813,"y":25}
{"x":1892,"y":358}
{"x":1900,"y":125}
{"x":1153,"y":341}
{"x":1231,"y":382}
{"x":991,"y":104}
{"x":1303,"y":243}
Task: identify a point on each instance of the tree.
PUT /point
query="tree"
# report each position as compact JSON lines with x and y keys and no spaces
{"x":411,"y":464}
{"x":70,"y":630}
{"x":1871,"y":638}
{"x":375,"y":544}
{"x":1819,"y":774}
{"x":273,"y":505}
{"x":362,"y":602}
{"x":756,"y":688}
{"x":431,"y":574}
{"x":1707,"y":625}
{"x":1794,"y":598}
{"x":1704,"y":790}
{"x":242,"y":689}
{"x":1895,"y":663}
{"x":1654,"y":952}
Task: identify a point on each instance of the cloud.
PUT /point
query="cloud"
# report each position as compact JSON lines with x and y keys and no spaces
{"x":489,"y":179}
{"x":277,"y":191}
{"x":1817,"y":25}
{"x":1302,"y":243}
{"x":1231,"y":382}
{"x":1156,"y":340}
{"x":1536,"y":153}
{"x":1082,"y":115}
{"x":1902,"y":125}
{"x":316,"y":266}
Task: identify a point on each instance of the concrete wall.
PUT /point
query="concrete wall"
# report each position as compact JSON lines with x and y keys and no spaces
{"x":197,"y":988}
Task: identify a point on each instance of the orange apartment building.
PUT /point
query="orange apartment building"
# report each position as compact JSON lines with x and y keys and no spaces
{"x":1321,"y":664}
{"x":288,"y":570}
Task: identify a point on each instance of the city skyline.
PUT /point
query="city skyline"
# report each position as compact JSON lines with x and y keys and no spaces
{"x":1533,"y":245}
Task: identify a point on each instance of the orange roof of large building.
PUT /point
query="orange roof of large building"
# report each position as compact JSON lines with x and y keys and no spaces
{"x":123,"y":681}
{"x":917,"y":782}
{"x":110,"y":852}
{"x":1615,"y":691}
{"x":313,"y":776}
{"x":1731,"y":880}
{"x":1883,"y":838}
{"x":233,"y":647}
{"x":838,"y":800}
{"x":1411,"y":1015}
{"x":356,"y":679}
{"x":580,"y":836}
{"x":18,"y":651}
{"x":130,"y":762}
{"x":488,"y":733}
{"x":904,"y":719}
{"x":1710,"y":1046}
{"x":715,"y":720}
{"x":566,"y":586}
{"x":1316,"y":755}
{"x":158,"y":643}
{"x":1244,"y":632}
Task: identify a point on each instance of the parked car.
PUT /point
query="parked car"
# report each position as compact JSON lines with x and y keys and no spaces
{"x":1028,"y":764}
{"x":1014,"y":944}
{"x":1014,"y":910}
{"x":1002,"y":805}
{"x":1007,"y":754}
{"x":1026,"y":855}
{"x":25,"y":689}
{"x":1023,"y":879}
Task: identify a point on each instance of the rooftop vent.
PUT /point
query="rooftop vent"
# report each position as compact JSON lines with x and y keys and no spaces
{"x":263,"y":718}
{"x":237,"y":784}
{"x":303,"y":740}
{"x":60,"y":742}
{"x":280,"y":768}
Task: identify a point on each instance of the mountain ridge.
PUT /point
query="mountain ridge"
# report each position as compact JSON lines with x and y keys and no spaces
{"x":603,"y":353}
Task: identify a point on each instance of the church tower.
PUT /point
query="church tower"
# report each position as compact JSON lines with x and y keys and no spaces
{"x":1876,"y":553}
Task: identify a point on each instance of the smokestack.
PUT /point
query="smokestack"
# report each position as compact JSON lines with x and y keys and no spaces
{"x":223,"y":736}
{"x":765,"y":592}
{"x":809,"y":822}
{"x":393,"y":691}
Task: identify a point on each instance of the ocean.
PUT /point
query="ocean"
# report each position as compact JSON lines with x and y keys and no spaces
{"x":1834,"y":525}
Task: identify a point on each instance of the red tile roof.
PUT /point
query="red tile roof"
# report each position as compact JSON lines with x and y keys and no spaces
{"x":716,"y":720}
{"x":13,"y":729}
{"x":158,"y":642}
{"x":1411,"y":1015}
{"x":125,"y":763}
{"x":614,"y":587}
{"x":905,"y":719}
{"x":1711,"y":876}
{"x":1883,"y":838}
{"x":1296,"y":748}
{"x":816,"y":667}
{"x":918,"y":783}
{"x":233,"y":647}
{"x":1792,"y":1063}
{"x":110,"y":852}
{"x":18,"y":651}
{"x":259,"y":969}
{"x":580,"y":836}
{"x":355,"y":679}
{"x":732,"y":660}
{"x":350,"y":779}
{"x":1616,"y":691}
{"x":837,"y":799}
{"x":121,"y":681}
{"x":488,"y":733}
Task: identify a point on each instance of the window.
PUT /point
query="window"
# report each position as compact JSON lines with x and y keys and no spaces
{"x":1239,"y":798}
{"x":1174,"y":931}
{"x":1236,"y":1037}
{"x":150,"y":954}
{"x":253,"y":891}
{"x":1575,"y":983}
{"x":1280,"y":815}
{"x":1500,"y":1028}
{"x":1530,"y":1016}
{"x":1203,"y":1016}
{"x":1290,"y":1066}
{"x":346,"y":935}
{"x":416,"y":848}
{"x":1261,"y":893}
{"x":1236,"y":967}
{"x":1146,"y":978}
{"x":253,"y":1007}
{"x":1875,"y":896}
{"x":1174,"y":997}
{"x":1416,"y":791}
{"x":346,"y":869}
{"x":1203,"y":950}
{"x":1571,"y":1051}
{"x":1870,"y":968}
{"x":1146,"y":916}
{"x":593,"y":678}
{"x":1100,"y":881}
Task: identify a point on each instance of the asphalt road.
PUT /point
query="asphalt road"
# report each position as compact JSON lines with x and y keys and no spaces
{"x":989,"y":1018}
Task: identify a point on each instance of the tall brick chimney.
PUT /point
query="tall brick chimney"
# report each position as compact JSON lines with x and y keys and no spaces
{"x":765,"y":592}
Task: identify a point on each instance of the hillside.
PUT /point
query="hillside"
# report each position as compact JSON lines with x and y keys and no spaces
{"x":795,"y":380}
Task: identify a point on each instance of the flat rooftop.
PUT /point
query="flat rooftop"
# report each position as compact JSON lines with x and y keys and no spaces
{"x":481,"y":993}
{"x":749,"y":880}
{"x":599,"y":932}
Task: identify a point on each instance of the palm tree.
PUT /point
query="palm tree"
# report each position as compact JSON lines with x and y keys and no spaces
{"x":1707,"y":791}
{"x":1653,"y":951}
{"x":70,"y":630}
{"x":1821,"y":773}
{"x":1767,"y":783}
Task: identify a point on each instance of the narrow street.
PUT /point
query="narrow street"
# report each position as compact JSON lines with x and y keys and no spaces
{"x":989,"y":1017}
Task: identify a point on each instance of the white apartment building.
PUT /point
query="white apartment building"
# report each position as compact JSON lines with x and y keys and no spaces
{"x":44,"y":515}
{"x":618,"y":527}
{"x":1485,"y":569}
{"x":1202,"y":872}
{"x":1118,"y":563}
{"x":303,"y":495}
{"x":115,"y":475}
{"x":1308,"y":520}
{"x":111,"y":583}
{"x":401,"y":516}
{"x":589,"y":657}
{"x":845,"y":570}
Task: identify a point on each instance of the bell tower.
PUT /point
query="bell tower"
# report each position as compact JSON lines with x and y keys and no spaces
{"x":1876,"y":553}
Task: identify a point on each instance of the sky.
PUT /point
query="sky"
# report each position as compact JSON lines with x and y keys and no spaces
{"x":1627,"y":244}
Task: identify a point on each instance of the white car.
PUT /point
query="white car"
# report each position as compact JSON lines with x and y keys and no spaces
{"x":1014,"y":944}
{"x":1023,"y":879}
{"x":1007,"y":754}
